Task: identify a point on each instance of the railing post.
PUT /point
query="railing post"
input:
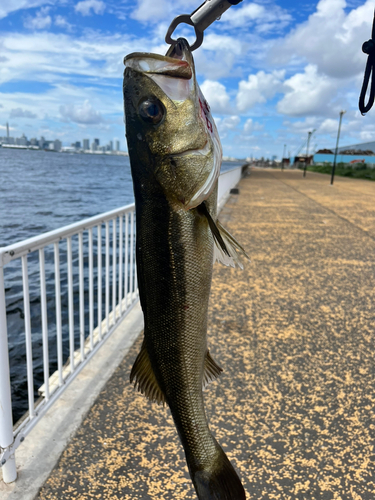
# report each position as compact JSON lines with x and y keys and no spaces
{"x":6,"y":420}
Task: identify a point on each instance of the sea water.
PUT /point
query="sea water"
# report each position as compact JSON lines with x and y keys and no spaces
{"x":41,"y":191}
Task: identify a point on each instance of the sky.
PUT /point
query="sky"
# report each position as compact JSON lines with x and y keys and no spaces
{"x":271,"y":70}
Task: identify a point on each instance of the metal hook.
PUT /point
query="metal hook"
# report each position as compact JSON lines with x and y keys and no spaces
{"x":200,"y":19}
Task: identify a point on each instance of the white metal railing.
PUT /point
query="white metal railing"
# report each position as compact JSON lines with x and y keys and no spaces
{"x":70,"y":314}
{"x":72,"y":301}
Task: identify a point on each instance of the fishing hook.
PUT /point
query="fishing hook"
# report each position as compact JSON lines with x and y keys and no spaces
{"x":368,"y":48}
{"x":200,"y":19}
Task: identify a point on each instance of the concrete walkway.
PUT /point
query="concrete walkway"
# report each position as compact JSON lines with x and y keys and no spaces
{"x":294,"y":332}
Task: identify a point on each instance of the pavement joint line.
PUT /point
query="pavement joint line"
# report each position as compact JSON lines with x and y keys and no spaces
{"x":326,"y":208}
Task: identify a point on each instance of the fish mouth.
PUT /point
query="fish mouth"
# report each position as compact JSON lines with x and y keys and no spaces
{"x":173,"y":73}
{"x":155,"y":64}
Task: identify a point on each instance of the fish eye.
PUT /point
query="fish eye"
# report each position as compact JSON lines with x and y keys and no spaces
{"x":151,"y":110}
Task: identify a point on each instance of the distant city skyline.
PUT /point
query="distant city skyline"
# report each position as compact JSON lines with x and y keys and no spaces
{"x":56,"y":144}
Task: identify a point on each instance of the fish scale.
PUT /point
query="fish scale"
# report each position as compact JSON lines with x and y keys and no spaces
{"x":175,"y":156}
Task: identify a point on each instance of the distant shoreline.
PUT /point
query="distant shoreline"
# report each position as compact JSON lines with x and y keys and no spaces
{"x":80,"y":151}
{"x":89,"y":152}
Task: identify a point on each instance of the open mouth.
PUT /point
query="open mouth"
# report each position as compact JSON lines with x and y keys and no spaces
{"x":174,"y":73}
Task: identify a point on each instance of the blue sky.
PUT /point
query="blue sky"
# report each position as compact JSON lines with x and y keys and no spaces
{"x":271,"y":70}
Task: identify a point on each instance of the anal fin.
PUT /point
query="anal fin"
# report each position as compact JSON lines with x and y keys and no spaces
{"x":211,"y":370}
{"x":144,"y":378}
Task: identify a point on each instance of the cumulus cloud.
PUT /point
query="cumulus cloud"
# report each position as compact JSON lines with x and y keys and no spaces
{"x":307,"y":93}
{"x":150,"y":9}
{"x":86,"y":6}
{"x":217,"y":97}
{"x":330,"y":38}
{"x":329,"y":126}
{"x":265,"y":18}
{"x":41,"y":21}
{"x":259,"y":88}
{"x":81,"y":113}
{"x":250,"y":126}
{"x":21,"y":113}
{"x":226,"y":124}
{"x":61,"y":22}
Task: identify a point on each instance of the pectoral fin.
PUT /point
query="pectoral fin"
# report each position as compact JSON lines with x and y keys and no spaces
{"x":211,"y":370}
{"x":145,"y":380}
{"x":234,"y":249}
{"x":227,"y":249}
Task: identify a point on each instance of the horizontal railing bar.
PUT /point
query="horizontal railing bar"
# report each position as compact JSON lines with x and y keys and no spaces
{"x":16,"y":250}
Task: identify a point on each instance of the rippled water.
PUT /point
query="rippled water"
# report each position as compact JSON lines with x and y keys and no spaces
{"x":39,"y":192}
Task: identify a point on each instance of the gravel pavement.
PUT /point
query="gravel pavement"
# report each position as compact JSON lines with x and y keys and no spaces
{"x":294,"y":332}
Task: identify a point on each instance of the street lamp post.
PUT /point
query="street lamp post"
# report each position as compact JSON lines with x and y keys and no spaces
{"x":307,"y":150}
{"x":337,"y":145}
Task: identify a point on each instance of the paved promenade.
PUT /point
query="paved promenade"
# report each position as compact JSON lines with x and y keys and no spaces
{"x":294,"y":332}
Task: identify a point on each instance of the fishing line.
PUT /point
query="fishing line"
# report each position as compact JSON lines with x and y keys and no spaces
{"x":368,"y":48}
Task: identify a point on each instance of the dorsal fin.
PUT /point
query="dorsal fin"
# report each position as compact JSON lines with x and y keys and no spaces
{"x":144,"y":377}
{"x":211,"y":370}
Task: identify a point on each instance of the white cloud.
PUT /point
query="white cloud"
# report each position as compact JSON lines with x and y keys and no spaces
{"x":307,"y":93}
{"x":259,"y":88}
{"x":231,"y":122}
{"x":81,"y":113}
{"x":216,"y":96}
{"x":86,"y":6}
{"x":330,"y":38}
{"x":61,"y":22}
{"x":8,"y":6}
{"x":265,"y":17}
{"x":40,"y":22}
{"x":150,"y":9}
{"x":248,"y":126}
{"x":328,"y":126}
{"x":21,"y":113}
{"x":226,"y":124}
{"x":38,"y":54}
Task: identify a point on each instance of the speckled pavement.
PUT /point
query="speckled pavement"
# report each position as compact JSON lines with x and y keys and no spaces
{"x":294,"y":332}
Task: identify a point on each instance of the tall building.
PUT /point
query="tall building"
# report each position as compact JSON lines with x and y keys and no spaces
{"x":97,"y":142}
{"x":86,"y":144}
{"x":57,"y":145}
{"x":7,"y":130}
{"x":21,"y":141}
{"x":117,"y":145}
{"x":94,"y":146}
{"x":110,"y":144}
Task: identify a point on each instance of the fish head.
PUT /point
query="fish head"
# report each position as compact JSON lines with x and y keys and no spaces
{"x":170,"y":131}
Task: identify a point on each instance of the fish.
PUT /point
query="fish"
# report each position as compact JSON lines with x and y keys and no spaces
{"x":175,"y":155}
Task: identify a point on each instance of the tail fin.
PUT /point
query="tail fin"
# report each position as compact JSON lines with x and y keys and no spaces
{"x":220,"y":482}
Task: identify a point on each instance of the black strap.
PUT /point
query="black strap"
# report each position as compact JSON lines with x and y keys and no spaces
{"x":368,"y":48}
